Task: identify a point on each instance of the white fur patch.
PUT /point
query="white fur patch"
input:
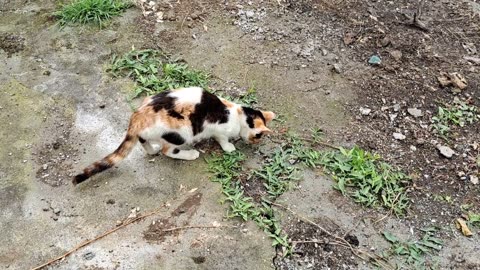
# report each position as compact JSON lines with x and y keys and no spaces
{"x":191,"y":95}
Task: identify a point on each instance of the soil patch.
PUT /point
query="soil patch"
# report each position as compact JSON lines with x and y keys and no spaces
{"x":11,"y":43}
{"x":179,"y":217}
{"x":314,"y":249}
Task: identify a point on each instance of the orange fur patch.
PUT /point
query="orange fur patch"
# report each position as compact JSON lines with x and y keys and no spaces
{"x":165,"y":148}
{"x":227,"y":103}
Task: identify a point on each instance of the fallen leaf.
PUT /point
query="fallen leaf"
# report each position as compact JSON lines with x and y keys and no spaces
{"x":458,"y":80}
{"x":462,"y":225}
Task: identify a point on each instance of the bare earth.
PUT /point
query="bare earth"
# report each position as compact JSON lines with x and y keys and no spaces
{"x":60,"y":110}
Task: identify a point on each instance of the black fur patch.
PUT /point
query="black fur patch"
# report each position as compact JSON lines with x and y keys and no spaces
{"x":165,"y":102}
{"x":210,"y":109}
{"x":142,"y":140}
{"x":100,"y":167}
{"x":176,"y":151}
{"x":79,"y":178}
{"x":173,"y":138}
{"x":251,"y":115}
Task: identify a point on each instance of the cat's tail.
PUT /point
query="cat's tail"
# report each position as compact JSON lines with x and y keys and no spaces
{"x":109,"y":161}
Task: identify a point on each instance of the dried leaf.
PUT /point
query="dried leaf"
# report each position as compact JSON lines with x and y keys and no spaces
{"x":462,"y":225}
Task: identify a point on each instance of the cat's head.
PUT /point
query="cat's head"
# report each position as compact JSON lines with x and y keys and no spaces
{"x":254,"y":124}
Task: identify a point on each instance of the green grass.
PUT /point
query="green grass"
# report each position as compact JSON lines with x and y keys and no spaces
{"x":154,"y":73}
{"x":359,"y":174}
{"x":277,"y":174}
{"x":414,"y":254}
{"x":226,"y":169}
{"x":368,"y":180}
{"x":459,"y":113}
{"x":97,"y":12}
{"x":473,"y":219}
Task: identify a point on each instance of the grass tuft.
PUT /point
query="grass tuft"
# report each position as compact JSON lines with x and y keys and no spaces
{"x":368,"y":180}
{"x":97,"y":12}
{"x":459,"y":114}
{"x":414,"y":253}
{"x":227,"y":169}
{"x":154,"y":73}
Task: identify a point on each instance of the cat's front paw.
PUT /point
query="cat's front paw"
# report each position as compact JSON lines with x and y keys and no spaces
{"x":228,"y":147}
{"x":192,"y":154}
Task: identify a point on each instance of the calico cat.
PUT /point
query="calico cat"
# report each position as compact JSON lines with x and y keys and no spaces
{"x":179,"y":118}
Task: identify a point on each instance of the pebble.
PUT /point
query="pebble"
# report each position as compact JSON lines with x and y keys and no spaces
{"x":396,"y":54}
{"x":415,"y":112}
{"x":399,"y":136}
{"x":337,"y":68}
{"x":45,"y":167}
{"x":365,"y":111}
{"x":57,"y":211}
{"x":473,"y":179}
{"x":249,"y":14}
{"x":445,"y":151}
{"x":375,"y":60}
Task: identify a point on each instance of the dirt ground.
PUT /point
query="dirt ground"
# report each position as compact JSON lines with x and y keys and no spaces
{"x":308,"y":60}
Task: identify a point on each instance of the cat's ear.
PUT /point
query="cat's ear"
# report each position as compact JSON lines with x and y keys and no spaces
{"x":269,"y":116}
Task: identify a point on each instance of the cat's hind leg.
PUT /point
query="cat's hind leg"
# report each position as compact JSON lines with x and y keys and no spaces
{"x":173,"y":151}
{"x":149,"y":148}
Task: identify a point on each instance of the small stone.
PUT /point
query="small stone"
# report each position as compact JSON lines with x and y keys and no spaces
{"x":473,"y":179}
{"x":399,"y":136}
{"x":445,"y":151}
{"x":413,"y":148}
{"x":110,"y":201}
{"x":337,"y":68}
{"x":415,"y":112}
{"x":88,"y":256}
{"x":365,"y":111}
{"x":324,"y":52}
{"x":47,"y":73}
{"x":249,"y":14}
{"x":45,"y":167}
{"x":57,"y":211}
{"x":375,"y":60}
{"x":396,"y":54}
{"x":396,"y":107}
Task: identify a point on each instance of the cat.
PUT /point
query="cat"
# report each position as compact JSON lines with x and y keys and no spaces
{"x":178,"y":118}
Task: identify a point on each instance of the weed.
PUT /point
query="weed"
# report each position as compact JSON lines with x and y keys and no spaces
{"x":226,"y":169}
{"x":317,"y":135}
{"x":250,"y":97}
{"x":443,"y":198}
{"x":97,"y":12}
{"x":474,"y":219}
{"x":414,"y":252}
{"x":154,"y":73}
{"x":277,"y":173}
{"x":365,"y":178}
{"x":459,"y":113}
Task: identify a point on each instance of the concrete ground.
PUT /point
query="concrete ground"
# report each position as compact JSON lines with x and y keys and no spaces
{"x":59,"y":111}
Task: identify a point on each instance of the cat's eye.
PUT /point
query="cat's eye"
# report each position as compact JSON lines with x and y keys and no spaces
{"x":258,"y":136}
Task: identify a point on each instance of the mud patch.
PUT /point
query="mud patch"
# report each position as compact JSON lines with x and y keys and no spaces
{"x":314,"y":249}
{"x":179,"y":217}
{"x":11,"y":43}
